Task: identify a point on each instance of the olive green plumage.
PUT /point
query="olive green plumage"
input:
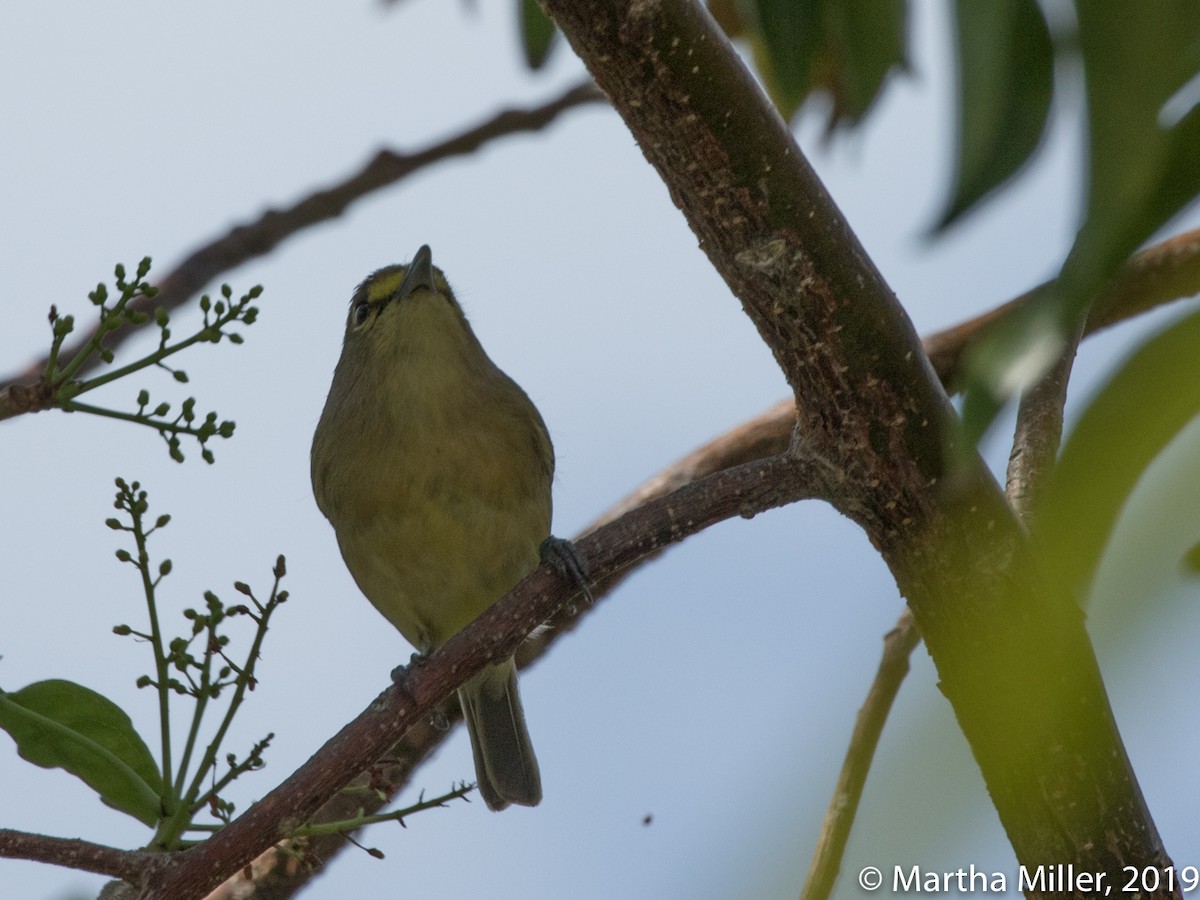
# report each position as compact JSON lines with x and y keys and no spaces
{"x":434,"y":469}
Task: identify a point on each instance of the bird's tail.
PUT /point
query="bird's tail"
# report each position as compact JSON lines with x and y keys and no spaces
{"x":505,"y":766}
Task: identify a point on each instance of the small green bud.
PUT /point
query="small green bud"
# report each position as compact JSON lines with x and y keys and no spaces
{"x":250,"y":316}
{"x":282,"y":597}
{"x":235,"y":338}
{"x":255,"y":292}
{"x":137,"y":317}
{"x":205,"y":303}
{"x":280,"y":566}
{"x":207,"y":455}
{"x":161,"y":521}
{"x":242,"y":588}
{"x":180,"y":376}
{"x":119,"y":271}
{"x":162,"y":409}
{"x":114,"y":524}
{"x":143,"y":397}
{"x":226,"y":429}
{"x":144,"y":681}
{"x":106,"y":354}
{"x":226,"y":292}
{"x":164,"y":567}
{"x":161,"y":318}
{"x":124,"y":556}
{"x":144,"y":267}
{"x":150,"y":290}
{"x":122,"y":630}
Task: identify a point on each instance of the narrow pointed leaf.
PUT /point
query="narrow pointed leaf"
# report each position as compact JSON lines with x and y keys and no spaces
{"x":844,"y":48}
{"x":1005,"y":82}
{"x":537,"y":33}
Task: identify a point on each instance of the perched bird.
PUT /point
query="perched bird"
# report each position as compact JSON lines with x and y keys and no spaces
{"x":434,"y":469}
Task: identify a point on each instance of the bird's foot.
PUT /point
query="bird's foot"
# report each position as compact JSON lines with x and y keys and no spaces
{"x":402,"y":675}
{"x":562,"y":556}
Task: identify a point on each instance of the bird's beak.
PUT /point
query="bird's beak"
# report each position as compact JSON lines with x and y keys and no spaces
{"x":419,"y":274}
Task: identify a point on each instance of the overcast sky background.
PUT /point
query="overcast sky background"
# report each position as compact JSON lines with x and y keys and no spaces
{"x":715,"y":691}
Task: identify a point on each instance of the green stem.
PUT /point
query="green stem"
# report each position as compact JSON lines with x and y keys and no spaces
{"x":156,"y":424}
{"x":239,"y":693}
{"x":93,"y":343}
{"x":346,"y":825}
{"x":153,"y":359}
{"x":197,"y":717}
{"x":160,"y":659}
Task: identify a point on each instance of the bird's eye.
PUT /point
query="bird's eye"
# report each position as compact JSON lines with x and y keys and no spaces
{"x":359,"y":313}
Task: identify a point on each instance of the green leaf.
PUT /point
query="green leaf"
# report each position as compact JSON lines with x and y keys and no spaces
{"x":1005,"y":82}
{"x":1142,"y":161}
{"x":1146,"y":403}
{"x":60,"y":724}
{"x":1143,"y":165}
{"x":537,"y":33}
{"x":845,"y":48}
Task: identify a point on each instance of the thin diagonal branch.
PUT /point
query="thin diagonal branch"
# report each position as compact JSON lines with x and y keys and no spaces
{"x":1038,"y":434}
{"x":1158,"y":275}
{"x":898,"y":645}
{"x":246,"y":242}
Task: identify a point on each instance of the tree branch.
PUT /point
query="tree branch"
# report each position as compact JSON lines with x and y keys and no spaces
{"x":246,"y":242}
{"x":1038,"y":434}
{"x":1012,"y":656}
{"x":898,"y":645}
{"x":1160,"y":274}
{"x":77,"y":854}
{"x":745,"y":491}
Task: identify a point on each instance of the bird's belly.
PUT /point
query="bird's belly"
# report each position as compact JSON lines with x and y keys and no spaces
{"x":434,"y":567}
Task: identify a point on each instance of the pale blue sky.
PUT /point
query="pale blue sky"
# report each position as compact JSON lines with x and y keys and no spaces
{"x":715,"y":691}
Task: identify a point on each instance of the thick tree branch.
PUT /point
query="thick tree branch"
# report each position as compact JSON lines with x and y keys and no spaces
{"x":1012,"y":656}
{"x":745,"y":491}
{"x":246,"y":242}
{"x":77,"y":854}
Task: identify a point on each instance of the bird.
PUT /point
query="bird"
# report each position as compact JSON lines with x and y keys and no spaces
{"x":435,"y":469}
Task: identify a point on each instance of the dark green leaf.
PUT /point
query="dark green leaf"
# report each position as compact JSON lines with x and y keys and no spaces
{"x":845,"y":48}
{"x":1149,"y":400}
{"x":1143,"y":164}
{"x":1005,"y":82}
{"x":60,"y":724}
{"x":537,"y":33}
